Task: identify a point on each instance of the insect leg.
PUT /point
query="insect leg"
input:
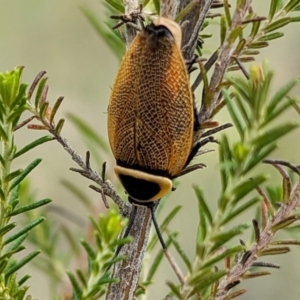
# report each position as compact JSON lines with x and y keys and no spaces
{"x":129,"y":226}
{"x":157,"y":228}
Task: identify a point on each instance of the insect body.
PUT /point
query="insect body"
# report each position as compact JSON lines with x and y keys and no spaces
{"x":151,"y":114}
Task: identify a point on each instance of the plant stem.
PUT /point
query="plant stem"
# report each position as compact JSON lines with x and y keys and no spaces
{"x":6,"y":152}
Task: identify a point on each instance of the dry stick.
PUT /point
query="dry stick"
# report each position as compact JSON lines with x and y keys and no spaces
{"x":168,"y":8}
{"x":190,"y":31}
{"x":225,"y":55}
{"x":107,"y":188}
{"x":265,"y":239}
{"x":191,"y":46}
{"x":85,"y":170}
{"x":128,"y":271}
{"x":25,"y":122}
{"x":130,"y":7}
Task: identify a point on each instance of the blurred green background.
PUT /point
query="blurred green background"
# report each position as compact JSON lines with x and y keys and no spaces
{"x":56,"y":37}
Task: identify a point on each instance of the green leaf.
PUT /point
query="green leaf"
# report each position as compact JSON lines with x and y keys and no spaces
{"x":237,"y":212}
{"x":181,"y":252}
{"x":3,"y":134}
{"x":14,"y":195}
{"x":277,"y":24}
{"x":116,"y":5}
{"x":274,"y":251}
{"x":271,"y":36}
{"x":274,"y":134}
{"x":290,"y":5}
{"x":234,"y":34}
{"x":34,"y":144}
{"x":23,"y":279}
{"x":258,"y":45}
{"x":185,"y":10}
{"x":90,"y":252}
{"x":223,"y":29}
{"x":273,"y":9}
{"x":243,"y":89}
{"x":9,"y":254}
{"x":227,"y":13}
{"x":204,"y":214}
{"x":208,"y":281}
{"x":13,"y":175}
{"x":15,"y":115}
{"x":55,"y":108}
{"x":3,"y":264}
{"x":9,"y":86}
{"x":223,"y":237}
{"x":114,"y":42}
{"x":239,"y":124}
{"x":20,"y":99}
{"x":215,"y":259}
{"x":29,"y":207}
{"x":18,"y":242}
{"x":157,"y":6}
{"x":43,"y":109}
{"x":39,"y":92}
{"x":296,"y":19}
{"x":285,"y":223}
{"x":280,"y":95}
{"x":27,"y":170}
{"x":242,"y":110}
{"x":296,"y":8}
{"x":7,"y":228}
{"x":277,"y":112}
{"x":77,"y":292}
{"x":24,"y":230}
{"x":174,"y":288}
{"x":113,"y":261}
{"x":59,"y":126}
{"x":254,"y":29}
{"x":22,"y":263}
{"x":246,"y":186}
{"x":2,"y":162}
{"x":200,"y":284}
{"x":2,"y":196}
{"x":225,"y":156}
{"x":257,"y":156}
{"x":202,"y":204}
{"x":81,"y":276}
{"x":97,"y":290}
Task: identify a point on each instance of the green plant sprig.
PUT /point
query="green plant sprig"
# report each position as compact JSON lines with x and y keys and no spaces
{"x":13,"y":100}
{"x":247,"y":100}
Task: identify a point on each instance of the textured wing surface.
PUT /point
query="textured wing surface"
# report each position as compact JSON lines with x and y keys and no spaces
{"x":151,"y":109}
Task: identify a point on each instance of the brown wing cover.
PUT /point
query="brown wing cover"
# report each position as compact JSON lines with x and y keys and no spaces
{"x":150,"y":113}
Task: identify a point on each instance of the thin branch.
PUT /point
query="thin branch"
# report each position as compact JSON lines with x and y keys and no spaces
{"x":25,"y":122}
{"x":130,"y":7}
{"x":225,"y":55}
{"x":168,"y":8}
{"x":107,"y":187}
{"x":266,"y":236}
{"x":190,"y":32}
